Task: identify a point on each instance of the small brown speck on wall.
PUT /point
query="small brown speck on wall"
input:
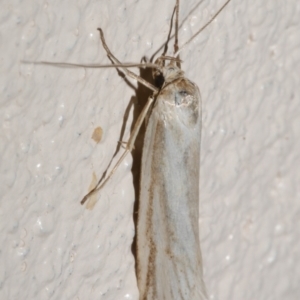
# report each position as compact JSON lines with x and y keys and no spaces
{"x":97,"y":134}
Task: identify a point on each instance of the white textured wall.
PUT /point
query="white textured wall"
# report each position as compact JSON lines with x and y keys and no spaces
{"x":247,"y":67}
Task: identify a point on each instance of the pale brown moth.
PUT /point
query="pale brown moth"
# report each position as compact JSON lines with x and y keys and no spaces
{"x":169,"y":264}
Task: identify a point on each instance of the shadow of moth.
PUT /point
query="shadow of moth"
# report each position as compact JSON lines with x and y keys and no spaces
{"x":169,"y":264}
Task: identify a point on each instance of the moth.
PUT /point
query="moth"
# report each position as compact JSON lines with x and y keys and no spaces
{"x":169,"y":264}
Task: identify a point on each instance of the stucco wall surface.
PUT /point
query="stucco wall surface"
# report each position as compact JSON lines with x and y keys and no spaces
{"x":246,"y":64}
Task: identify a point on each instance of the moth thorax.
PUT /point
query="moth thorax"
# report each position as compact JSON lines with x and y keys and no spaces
{"x":171,"y":72}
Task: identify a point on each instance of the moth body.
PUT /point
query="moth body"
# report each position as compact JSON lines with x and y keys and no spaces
{"x":168,"y":248}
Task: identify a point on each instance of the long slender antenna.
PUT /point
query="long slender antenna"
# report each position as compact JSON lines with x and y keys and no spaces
{"x":179,"y":27}
{"x":170,"y":32}
{"x":91,"y":66}
{"x":202,"y":28}
{"x":176,"y":27}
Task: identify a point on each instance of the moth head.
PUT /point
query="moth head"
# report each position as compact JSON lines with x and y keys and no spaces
{"x":166,"y":73}
{"x":171,"y":72}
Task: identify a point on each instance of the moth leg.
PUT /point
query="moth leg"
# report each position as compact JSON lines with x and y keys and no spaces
{"x":124,"y":145}
{"x":127,"y":72}
{"x":129,"y":148}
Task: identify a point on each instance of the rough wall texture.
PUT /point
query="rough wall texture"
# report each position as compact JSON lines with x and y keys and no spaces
{"x":246,"y":64}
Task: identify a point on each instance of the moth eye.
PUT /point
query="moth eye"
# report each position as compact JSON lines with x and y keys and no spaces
{"x":159,"y":80}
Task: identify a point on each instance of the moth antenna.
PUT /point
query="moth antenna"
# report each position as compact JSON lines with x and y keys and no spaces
{"x":170,"y":32}
{"x":179,"y":27}
{"x":202,"y":28}
{"x":176,"y":27}
{"x":157,"y":74}
{"x":93,"y":66}
{"x":124,"y":67}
